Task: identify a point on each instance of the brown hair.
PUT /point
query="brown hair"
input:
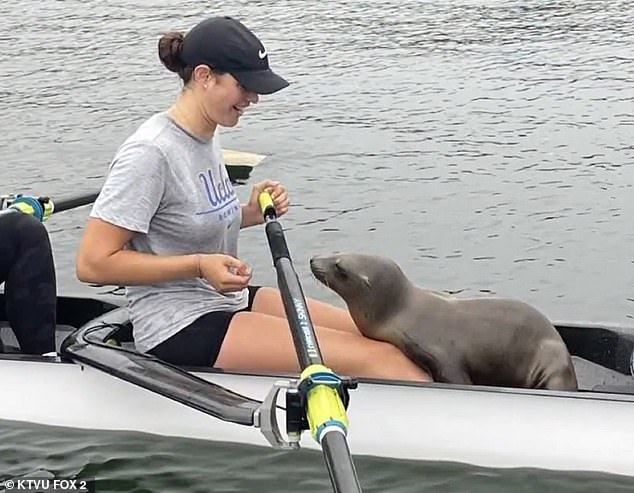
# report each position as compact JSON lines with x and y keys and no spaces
{"x":169,"y":51}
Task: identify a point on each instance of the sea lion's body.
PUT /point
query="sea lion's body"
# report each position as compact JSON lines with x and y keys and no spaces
{"x":487,"y":341}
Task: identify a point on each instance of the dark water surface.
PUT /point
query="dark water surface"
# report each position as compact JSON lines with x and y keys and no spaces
{"x":484,"y":145}
{"x":142,"y":463}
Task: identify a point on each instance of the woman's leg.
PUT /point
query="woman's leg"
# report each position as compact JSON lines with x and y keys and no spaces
{"x":30,"y":289}
{"x":260,"y":342}
{"x":269,"y":301}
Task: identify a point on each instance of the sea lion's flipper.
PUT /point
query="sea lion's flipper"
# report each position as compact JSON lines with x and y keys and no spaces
{"x":564,"y":380}
{"x":553,"y":368}
{"x":442,"y":367}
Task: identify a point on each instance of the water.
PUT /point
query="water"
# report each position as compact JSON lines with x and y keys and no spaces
{"x":485,"y":145}
{"x":142,"y":463}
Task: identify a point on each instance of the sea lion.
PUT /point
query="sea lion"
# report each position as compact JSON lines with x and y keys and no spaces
{"x":475,"y":341}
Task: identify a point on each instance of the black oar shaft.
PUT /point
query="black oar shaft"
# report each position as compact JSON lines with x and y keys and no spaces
{"x":71,"y":203}
{"x":343,"y":475}
{"x":293,"y":298}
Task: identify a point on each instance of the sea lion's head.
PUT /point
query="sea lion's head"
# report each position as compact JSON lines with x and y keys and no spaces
{"x":372,"y":286}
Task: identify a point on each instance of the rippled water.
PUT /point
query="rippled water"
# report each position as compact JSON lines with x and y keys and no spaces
{"x":141,"y":463}
{"x":485,"y":145}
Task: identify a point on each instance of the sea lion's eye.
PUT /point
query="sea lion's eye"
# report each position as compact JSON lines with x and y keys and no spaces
{"x":340,"y":270}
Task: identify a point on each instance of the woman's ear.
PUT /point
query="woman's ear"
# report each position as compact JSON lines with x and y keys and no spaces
{"x":203,"y":74}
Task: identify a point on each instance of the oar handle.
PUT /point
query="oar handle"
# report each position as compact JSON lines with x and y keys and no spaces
{"x":266,"y":206}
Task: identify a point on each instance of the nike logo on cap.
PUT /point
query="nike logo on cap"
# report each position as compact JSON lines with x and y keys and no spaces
{"x":262,"y":54}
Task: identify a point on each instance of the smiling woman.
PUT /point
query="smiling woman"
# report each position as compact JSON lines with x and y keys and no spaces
{"x":229,"y":64}
{"x":166,"y":225}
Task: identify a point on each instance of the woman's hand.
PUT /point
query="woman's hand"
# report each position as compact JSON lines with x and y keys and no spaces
{"x":224,"y":272}
{"x":251,"y":213}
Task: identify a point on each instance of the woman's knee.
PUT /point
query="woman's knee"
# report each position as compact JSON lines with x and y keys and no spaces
{"x":28,"y":230}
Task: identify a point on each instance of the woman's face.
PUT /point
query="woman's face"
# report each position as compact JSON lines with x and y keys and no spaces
{"x":223,"y":99}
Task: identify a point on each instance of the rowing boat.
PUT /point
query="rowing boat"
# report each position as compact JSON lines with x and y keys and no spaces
{"x":102,"y":383}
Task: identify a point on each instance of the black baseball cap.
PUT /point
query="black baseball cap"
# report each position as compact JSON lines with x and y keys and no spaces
{"x":225,"y":44}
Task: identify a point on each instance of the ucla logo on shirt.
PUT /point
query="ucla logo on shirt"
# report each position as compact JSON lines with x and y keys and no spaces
{"x":221,"y":196}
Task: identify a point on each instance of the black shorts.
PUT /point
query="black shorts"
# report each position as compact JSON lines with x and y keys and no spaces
{"x":199,"y":343}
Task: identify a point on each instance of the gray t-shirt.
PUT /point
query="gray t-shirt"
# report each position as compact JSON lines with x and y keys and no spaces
{"x":173,"y":190}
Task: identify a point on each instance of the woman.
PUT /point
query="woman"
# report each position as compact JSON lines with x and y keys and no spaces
{"x":167,"y":220}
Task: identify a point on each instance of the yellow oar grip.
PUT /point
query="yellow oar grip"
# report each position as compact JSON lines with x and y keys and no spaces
{"x":324,"y":406}
{"x":49,"y":208}
{"x":265,"y":201}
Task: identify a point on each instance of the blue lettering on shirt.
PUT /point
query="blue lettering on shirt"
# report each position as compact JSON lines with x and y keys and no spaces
{"x":221,"y":196}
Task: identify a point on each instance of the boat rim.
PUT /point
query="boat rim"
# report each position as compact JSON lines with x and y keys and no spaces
{"x":583,"y":394}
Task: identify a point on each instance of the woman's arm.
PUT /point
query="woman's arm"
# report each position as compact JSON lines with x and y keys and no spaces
{"x":103,"y":259}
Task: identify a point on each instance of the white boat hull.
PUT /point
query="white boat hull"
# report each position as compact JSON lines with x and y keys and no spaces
{"x":492,"y":428}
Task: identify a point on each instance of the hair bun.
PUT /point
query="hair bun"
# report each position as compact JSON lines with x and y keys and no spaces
{"x":169,"y":51}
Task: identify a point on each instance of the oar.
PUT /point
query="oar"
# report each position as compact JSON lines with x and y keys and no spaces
{"x":323,"y":388}
{"x":43,"y":207}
